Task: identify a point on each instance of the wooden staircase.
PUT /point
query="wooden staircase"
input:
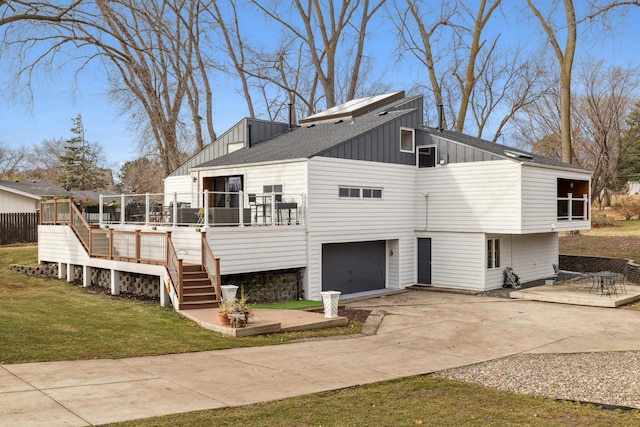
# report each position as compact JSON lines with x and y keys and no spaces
{"x":197,"y":290}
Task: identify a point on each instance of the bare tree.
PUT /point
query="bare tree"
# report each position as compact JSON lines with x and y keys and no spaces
{"x":565,"y":60}
{"x":11,"y":160}
{"x":142,"y":175}
{"x":602,"y":120}
{"x":17,"y":10}
{"x":43,"y":160}
{"x":151,"y":51}
{"x":324,"y":31}
{"x":472,"y":76}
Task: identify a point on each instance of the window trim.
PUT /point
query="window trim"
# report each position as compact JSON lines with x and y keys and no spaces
{"x":435,"y":155}
{"x":493,"y":253}
{"x":403,"y":131}
{"x":352,"y":189}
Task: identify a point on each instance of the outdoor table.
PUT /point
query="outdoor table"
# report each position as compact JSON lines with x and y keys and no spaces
{"x":605,"y":281}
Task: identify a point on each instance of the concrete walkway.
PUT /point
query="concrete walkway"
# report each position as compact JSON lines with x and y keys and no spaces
{"x":419,"y":332}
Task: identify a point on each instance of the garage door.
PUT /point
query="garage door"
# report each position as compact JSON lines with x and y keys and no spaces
{"x":353,"y":267}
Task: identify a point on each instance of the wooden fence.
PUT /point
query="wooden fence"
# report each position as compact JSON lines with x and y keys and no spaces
{"x":18,"y":228}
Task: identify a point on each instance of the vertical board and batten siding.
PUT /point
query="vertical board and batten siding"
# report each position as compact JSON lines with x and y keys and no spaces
{"x":381,"y":144}
{"x":253,"y":249}
{"x":457,"y":259}
{"x":454,"y":152}
{"x":334,"y":220}
{"x":260,"y":131}
{"x":470,"y":197}
{"x":539,"y":199}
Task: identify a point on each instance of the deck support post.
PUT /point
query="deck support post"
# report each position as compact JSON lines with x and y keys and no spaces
{"x":86,"y":276}
{"x":115,"y":282}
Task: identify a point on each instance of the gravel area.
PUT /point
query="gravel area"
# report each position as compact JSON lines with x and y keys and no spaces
{"x":607,"y":378}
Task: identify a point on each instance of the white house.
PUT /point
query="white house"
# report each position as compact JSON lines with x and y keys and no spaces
{"x":363,"y":197}
{"x":388,"y":202}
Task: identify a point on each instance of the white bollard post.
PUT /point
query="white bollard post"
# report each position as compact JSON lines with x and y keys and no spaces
{"x":330,"y":300}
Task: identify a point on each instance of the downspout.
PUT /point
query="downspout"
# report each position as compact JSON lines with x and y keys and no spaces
{"x":426,"y":211}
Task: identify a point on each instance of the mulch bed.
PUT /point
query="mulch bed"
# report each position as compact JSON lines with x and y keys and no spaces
{"x":354,"y":315}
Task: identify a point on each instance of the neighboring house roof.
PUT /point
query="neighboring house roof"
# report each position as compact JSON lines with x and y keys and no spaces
{"x":308,"y":141}
{"x":34,"y":189}
{"x":39,"y":189}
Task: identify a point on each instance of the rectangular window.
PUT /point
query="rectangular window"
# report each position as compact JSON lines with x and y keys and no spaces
{"x":493,"y":253}
{"x":426,"y":157}
{"x":407,"y":140}
{"x":358,"y":192}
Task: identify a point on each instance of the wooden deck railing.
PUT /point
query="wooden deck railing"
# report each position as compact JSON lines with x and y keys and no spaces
{"x":211,"y":265}
{"x":174,"y":267}
{"x":154,"y":247}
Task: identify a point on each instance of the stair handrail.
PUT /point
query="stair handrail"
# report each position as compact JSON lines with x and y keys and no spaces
{"x":211,"y":265}
{"x":79,"y":225}
{"x":174,"y":267}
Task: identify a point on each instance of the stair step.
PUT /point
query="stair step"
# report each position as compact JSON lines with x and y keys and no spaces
{"x":193,"y":290}
{"x":190,"y":268}
{"x":191,"y":305}
{"x":207,"y":297}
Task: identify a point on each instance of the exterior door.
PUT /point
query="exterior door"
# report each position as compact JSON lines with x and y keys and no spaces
{"x":353,"y":267}
{"x":424,"y":261}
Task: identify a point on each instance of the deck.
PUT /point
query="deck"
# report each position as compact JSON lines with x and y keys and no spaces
{"x":577,"y":293}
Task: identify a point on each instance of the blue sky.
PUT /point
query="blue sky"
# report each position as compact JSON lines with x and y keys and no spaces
{"x":57,"y":100}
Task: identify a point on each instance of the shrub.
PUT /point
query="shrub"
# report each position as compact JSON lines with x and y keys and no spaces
{"x":628,"y":206}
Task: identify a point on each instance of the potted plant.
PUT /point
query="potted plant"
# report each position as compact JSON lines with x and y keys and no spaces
{"x":240,"y":311}
{"x":225,"y":307}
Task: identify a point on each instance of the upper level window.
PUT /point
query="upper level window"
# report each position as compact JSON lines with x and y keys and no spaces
{"x":360,"y":193}
{"x":427,"y":157}
{"x":407,"y":140}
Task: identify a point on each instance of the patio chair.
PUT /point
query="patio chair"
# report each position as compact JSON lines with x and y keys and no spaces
{"x":566,"y":275}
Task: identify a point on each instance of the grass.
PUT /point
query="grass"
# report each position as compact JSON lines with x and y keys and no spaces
{"x":420,"y":400}
{"x":49,"y":320}
{"x":290,"y":305}
{"x":620,"y":241}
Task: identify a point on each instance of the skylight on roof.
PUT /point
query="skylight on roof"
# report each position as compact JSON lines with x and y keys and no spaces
{"x":353,"y":108}
{"x":518,"y":155}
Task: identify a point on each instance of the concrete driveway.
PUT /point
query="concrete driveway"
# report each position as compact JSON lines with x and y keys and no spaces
{"x":419,"y":332}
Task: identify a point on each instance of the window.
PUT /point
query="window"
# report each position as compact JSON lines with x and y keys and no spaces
{"x":493,"y":253}
{"x":407,"y":140}
{"x":267,"y":189}
{"x":359,"y":193}
{"x":426,"y":157}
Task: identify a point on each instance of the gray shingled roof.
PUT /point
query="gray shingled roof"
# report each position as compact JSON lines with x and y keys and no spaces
{"x":308,"y":141}
{"x":499,"y":149}
{"x":36,"y":188}
{"x":46,"y":189}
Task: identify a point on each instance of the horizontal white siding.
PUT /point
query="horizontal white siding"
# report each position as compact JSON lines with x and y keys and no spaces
{"x":292,"y":175}
{"x":470,"y":197}
{"x":334,"y":220}
{"x":457,"y":259}
{"x":183,"y":185}
{"x":251,"y":249}
{"x":57,"y":243}
{"x":539,"y":200}
{"x":534,"y":255}
{"x":10,"y":202}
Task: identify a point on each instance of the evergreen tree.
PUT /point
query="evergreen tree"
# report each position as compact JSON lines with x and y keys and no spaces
{"x":79,"y":162}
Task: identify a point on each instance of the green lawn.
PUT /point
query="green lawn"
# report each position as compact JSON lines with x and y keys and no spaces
{"x":43,"y":320}
{"x":620,"y":241}
{"x":47,"y":320}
